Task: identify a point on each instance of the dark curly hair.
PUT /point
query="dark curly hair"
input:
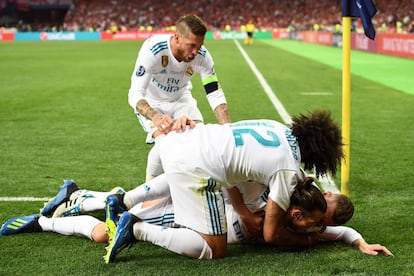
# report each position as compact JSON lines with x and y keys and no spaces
{"x":320,"y":141}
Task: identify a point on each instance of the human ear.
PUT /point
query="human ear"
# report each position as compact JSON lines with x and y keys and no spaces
{"x":297,"y":214}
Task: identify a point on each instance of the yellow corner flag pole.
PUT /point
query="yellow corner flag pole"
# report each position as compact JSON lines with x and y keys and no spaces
{"x":346,"y":101}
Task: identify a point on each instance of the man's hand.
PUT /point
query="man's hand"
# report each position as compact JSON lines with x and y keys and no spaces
{"x":254,"y":224}
{"x":181,"y":123}
{"x":371,"y":249}
{"x":163,"y":122}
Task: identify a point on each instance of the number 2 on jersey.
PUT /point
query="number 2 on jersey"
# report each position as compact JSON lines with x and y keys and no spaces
{"x":273,"y":140}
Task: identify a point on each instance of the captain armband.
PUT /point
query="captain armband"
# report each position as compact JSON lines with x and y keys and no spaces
{"x":210,"y":84}
{"x":216,"y":98}
{"x":215,"y":95}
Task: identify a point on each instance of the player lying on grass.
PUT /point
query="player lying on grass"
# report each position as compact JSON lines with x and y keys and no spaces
{"x":200,"y":162}
{"x":160,"y":212}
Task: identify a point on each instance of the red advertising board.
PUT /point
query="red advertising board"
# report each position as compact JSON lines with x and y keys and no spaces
{"x":129,"y":35}
{"x":396,"y":44}
{"x":362,"y":42}
{"x":6,"y":36}
{"x":401,"y":45}
{"x":323,"y":38}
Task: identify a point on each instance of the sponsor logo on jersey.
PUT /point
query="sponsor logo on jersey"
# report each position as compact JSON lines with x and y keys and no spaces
{"x":189,"y":72}
{"x":140,"y":71}
{"x":164,"y":61}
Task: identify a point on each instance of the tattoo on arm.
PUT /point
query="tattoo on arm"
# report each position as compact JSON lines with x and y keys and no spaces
{"x":222,"y":114}
{"x":145,"y":109}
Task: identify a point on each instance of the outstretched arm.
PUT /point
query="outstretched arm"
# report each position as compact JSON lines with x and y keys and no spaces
{"x":371,"y":249}
{"x":352,"y":237}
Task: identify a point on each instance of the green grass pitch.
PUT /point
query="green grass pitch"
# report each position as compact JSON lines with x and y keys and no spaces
{"x":64,"y":114}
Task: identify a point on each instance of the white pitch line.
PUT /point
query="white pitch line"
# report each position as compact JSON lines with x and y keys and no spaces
{"x":327,"y":183}
{"x":266,"y":87}
{"x":24,"y":198}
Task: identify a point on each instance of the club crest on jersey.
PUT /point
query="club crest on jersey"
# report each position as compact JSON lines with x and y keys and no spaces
{"x":164,"y":61}
{"x":189,"y":71}
{"x":140,"y":71}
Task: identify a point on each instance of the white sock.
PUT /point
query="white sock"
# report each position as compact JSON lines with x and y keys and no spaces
{"x":92,"y":204}
{"x":92,"y":200}
{"x":182,"y":241}
{"x":81,"y":226}
{"x":153,"y":189}
{"x":101,"y":195}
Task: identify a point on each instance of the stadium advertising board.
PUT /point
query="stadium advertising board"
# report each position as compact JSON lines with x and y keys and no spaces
{"x":6,"y":36}
{"x":129,"y":35}
{"x":323,"y":38}
{"x":362,"y":42}
{"x":220,"y":35}
{"x":401,"y":45}
{"x":56,"y":36}
{"x":397,"y":45}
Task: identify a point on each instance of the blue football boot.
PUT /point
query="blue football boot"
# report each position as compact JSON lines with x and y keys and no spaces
{"x":114,"y":207}
{"x":124,"y":236}
{"x":68,"y":187}
{"x":22,"y":224}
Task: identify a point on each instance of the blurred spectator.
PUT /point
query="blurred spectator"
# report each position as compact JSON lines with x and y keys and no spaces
{"x":125,"y":15}
{"x":267,"y":14}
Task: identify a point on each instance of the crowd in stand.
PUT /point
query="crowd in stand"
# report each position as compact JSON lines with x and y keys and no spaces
{"x":121,"y":15}
{"x":126,"y":15}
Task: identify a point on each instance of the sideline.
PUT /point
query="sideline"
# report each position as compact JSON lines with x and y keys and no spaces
{"x":327,"y":183}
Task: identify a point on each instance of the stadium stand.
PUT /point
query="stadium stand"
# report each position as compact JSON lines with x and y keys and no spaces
{"x":122,"y":15}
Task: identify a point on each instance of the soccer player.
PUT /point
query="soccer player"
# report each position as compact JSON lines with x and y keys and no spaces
{"x":250,"y":28}
{"x":160,"y":90}
{"x":161,"y":212}
{"x":200,"y":161}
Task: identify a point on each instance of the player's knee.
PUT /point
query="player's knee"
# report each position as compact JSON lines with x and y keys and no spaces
{"x":217,"y":246}
{"x":99,"y":233}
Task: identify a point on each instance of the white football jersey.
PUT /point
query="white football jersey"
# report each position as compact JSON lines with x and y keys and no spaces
{"x":159,"y":77}
{"x":261,"y":150}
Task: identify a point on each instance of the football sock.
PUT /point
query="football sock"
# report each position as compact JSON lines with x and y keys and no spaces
{"x":154,"y":189}
{"x":81,"y":226}
{"x":88,"y":194}
{"x":182,"y":241}
{"x":92,"y":204}
{"x":91,"y":200}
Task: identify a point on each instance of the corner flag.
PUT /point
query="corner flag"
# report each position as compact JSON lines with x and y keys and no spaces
{"x":364,"y":9}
